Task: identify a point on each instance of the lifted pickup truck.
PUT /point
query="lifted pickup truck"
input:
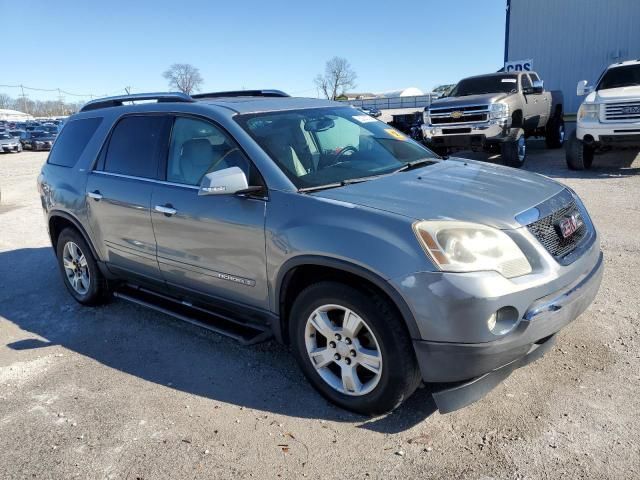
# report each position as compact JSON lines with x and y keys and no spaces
{"x":609,"y":116}
{"x":495,"y":110}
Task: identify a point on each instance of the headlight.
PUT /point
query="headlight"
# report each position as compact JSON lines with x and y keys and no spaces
{"x":498,"y":110}
{"x":588,"y":111}
{"x":426,"y":118}
{"x":471,"y":247}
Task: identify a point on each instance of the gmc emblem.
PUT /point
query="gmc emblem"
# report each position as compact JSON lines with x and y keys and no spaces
{"x":568,"y":225}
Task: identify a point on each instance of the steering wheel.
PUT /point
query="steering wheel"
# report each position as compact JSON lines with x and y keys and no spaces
{"x":344,"y":151}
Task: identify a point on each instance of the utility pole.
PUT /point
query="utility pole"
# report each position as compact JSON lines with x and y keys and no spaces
{"x":24,"y":99}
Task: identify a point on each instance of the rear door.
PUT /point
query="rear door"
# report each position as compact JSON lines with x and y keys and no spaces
{"x":119,"y":194}
{"x":211,"y":246}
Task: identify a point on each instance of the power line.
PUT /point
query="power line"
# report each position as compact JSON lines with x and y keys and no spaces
{"x":59,"y":90}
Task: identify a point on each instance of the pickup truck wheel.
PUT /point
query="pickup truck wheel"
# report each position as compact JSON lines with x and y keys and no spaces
{"x":514,"y":153}
{"x":353,"y":347}
{"x":79,"y":269}
{"x":555,"y":133}
{"x":578,"y":155}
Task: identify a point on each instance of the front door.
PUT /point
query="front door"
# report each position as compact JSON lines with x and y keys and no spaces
{"x":212,"y":245}
{"x":119,"y":195}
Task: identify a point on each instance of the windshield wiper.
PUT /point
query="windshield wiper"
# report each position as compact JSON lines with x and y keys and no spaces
{"x":415,"y":163}
{"x":342,"y":183}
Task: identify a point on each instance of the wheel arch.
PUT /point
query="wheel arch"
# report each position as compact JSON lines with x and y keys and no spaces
{"x":296,"y":274}
{"x":58,"y":221}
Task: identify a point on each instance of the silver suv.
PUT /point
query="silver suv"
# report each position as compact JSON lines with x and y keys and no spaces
{"x":257,"y":214}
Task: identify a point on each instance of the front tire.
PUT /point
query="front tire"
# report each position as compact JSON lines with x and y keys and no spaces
{"x":514,"y":153}
{"x":578,"y":155}
{"x":353,"y":347}
{"x":79,"y":269}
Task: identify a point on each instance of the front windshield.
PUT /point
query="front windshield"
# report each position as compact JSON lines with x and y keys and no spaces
{"x":4,"y":136}
{"x":616,"y":77}
{"x":324,"y":146}
{"x":488,"y":84}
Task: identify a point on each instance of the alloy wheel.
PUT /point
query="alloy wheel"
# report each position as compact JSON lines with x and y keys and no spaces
{"x":76,"y":268}
{"x":343,"y":350}
{"x":522,"y":148}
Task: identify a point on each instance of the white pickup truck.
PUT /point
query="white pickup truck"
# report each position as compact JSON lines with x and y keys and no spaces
{"x":609,"y":116}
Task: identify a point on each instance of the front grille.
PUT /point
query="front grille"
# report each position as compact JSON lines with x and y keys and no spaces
{"x":622,"y":112}
{"x":476,"y":117}
{"x":545,"y":231}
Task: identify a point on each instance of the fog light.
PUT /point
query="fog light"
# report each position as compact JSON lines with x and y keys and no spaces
{"x":503,"y":320}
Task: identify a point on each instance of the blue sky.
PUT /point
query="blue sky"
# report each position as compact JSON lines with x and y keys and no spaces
{"x":98,"y":48}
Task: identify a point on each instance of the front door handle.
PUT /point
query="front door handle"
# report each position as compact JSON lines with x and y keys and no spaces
{"x":96,"y":195}
{"x":167,"y":209}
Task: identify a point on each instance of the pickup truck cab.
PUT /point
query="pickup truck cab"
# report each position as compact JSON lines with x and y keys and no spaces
{"x":609,"y":116}
{"x":499,"y":110}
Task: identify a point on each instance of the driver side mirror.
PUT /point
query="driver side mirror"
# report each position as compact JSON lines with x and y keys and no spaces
{"x":583,"y":88}
{"x":228,"y":181}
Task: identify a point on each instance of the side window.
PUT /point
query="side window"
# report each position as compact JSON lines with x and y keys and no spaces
{"x":534,"y":77}
{"x":136,"y":145}
{"x":526,"y":83}
{"x":197,"y":148}
{"x":72,"y":141}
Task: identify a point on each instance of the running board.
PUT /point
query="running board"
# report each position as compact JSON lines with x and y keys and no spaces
{"x":214,"y":321}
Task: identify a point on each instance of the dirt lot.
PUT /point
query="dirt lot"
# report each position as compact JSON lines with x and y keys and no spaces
{"x":122,"y":392}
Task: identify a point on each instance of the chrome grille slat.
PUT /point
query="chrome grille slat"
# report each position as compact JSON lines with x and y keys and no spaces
{"x":621,"y":112}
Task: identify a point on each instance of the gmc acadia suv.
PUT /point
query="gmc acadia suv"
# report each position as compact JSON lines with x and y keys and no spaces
{"x":382,"y":265}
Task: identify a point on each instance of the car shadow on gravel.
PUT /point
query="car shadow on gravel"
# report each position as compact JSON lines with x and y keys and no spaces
{"x":160,"y":349}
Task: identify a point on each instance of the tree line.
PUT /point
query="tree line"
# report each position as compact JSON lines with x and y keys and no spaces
{"x":39,"y":108}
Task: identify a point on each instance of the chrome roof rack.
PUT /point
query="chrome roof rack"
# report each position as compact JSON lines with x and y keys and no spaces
{"x":241,"y":93}
{"x":118,"y":101}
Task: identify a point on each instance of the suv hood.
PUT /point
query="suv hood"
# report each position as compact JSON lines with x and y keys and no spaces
{"x":620,"y":93}
{"x":485,"y":98}
{"x":454,"y":189}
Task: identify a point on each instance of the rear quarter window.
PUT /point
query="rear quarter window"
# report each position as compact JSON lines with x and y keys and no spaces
{"x":72,"y":141}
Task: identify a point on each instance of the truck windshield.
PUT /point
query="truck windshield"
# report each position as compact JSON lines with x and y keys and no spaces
{"x":331,"y":146}
{"x":616,"y":77}
{"x":488,"y":84}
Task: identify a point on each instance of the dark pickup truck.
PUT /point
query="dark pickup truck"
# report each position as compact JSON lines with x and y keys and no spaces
{"x":499,"y":110}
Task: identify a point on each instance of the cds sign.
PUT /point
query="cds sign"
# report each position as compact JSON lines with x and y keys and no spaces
{"x":519,"y":65}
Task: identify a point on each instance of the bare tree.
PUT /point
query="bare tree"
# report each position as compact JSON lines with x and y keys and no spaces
{"x":184,"y":77}
{"x":338,"y":77}
{"x":6,"y":101}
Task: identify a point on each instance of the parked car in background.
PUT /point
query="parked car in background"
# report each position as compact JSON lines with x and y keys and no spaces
{"x":381,"y":264}
{"x":609,"y":116}
{"x":39,"y":140}
{"x":9,"y":143}
{"x":372,"y":112}
{"x":495,"y":110}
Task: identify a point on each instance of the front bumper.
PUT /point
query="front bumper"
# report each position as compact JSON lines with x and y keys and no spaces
{"x":466,"y":134}
{"x":484,"y":366}
{"x":9,"y":148}
{"x":451,"y":362}
{"x":609,"y":134}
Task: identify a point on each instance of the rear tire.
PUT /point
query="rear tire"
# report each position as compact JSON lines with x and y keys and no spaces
{"x":578,"y":155}
{"x":391,"y":375}
{"x":514,"y":153}
{"x":555,"y":134}
{"x":79,"y":269}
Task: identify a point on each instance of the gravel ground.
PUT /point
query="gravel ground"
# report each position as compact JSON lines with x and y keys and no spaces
{"x":123,"y":392}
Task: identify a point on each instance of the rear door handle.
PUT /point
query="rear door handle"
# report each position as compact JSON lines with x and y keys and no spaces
{"x":96,"y":195}
{"x":168,"y":210}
